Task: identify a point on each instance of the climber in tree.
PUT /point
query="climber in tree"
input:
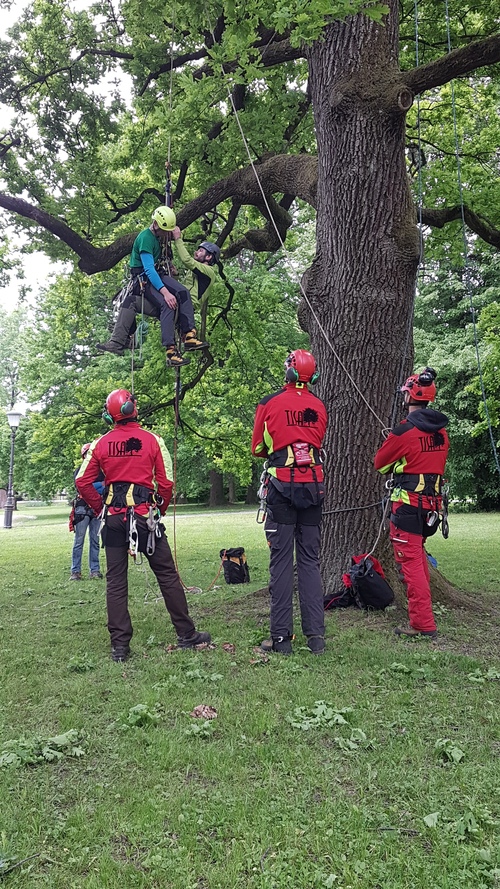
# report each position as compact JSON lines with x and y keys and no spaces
{"x":156,"y":295}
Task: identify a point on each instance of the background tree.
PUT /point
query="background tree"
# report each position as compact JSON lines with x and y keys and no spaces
{"x":444,"y":337}
{"x":93,"y":169}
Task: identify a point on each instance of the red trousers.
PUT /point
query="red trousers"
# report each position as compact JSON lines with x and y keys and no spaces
{"x":410,"y":554}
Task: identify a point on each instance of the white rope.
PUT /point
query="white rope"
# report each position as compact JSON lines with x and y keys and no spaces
{"x":282,"y":243}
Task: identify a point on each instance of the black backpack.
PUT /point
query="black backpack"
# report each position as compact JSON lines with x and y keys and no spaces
{"x":370,"y":589}
{"x":234,"y":562}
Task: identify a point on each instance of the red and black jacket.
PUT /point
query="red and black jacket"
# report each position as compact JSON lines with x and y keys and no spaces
{"x":285,"y":418}
{"x":130,"y":457}
{"x":416,"y":453}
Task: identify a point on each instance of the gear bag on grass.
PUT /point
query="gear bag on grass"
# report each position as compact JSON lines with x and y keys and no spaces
{"x":234,"y":563}
{"x":369,"y":586}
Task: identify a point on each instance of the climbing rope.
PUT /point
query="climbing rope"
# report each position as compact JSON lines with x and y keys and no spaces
{"x":282,"y":243}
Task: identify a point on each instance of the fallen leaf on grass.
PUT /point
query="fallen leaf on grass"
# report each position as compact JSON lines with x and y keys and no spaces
{"x":262,"y":658}
{"x":228,"y":646}
{"x":203,"y":711}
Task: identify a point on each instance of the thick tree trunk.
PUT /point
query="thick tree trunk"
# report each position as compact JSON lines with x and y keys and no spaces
{"x":231,"y":496}
{"x":216,"y":488}
{"x":362,"y":282}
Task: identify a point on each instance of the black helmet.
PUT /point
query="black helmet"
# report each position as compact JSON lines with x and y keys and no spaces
{"x":212,"y":248}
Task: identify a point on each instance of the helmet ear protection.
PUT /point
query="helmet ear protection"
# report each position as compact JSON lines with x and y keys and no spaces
{"x":300,"y":366}
{"x":127,"y":409}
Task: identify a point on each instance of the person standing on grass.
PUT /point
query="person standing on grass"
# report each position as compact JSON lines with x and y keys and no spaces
{"x":289,"y":429}
{"x":416,"y":452}
{"x":83,"y":518}
{"x":137,"y":489}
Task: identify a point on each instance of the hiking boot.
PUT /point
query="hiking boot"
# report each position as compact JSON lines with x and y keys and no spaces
{"x":120,"y":653}
{"x":75,"y":575}
{"x":278,"y":644}
{"x":175,"y":359}
{"x":112,"y":347}
{"x":316,"y":644}
{"x":192,"y":343}
{"x":193,"y":640}
{"x":95,"y":574}
{"x":411,"y":632}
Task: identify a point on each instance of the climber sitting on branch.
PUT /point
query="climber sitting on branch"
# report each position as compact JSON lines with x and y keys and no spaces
{"x":161,"y":296}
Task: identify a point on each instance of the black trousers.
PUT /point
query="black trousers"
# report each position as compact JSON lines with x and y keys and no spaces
{"x":153,"y":305}
{"x":290,"y":532}
{"x":163,"y":567}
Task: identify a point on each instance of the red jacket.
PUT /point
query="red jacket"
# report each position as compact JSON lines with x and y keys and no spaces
{"x":418,"y":447}
{"x":127,"y":453}
{"x":284,"y":418}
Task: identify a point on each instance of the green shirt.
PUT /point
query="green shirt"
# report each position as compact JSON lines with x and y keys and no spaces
{"x":145,"y":242}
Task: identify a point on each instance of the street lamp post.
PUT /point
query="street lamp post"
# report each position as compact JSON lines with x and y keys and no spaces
{"x":13,"y":419}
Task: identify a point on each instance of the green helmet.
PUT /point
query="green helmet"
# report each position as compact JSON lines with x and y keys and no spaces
{"x":164,"y":218}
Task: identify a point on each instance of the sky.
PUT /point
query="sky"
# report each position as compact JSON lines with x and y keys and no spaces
{"x":38,"y":268}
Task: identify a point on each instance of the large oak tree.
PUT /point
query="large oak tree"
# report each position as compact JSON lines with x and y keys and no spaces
{"x":325,"y":99}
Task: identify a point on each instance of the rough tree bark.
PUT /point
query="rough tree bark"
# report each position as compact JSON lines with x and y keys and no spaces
{"x":362,"y":282}
{"x":216,"y":497}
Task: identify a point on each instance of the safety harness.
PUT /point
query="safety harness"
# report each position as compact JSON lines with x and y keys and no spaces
{"x":125,"y":495}
{"x":431,"y":486}
{"x":298,"y":457}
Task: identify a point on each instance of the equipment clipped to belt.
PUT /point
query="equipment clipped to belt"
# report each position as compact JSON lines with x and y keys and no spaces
{"x":154,"y":531}
{"x":445,"y":528}
{"x":135,"y":546}
{"x":120,"y":297}
{"x":262,"y":495}
{"x":234,"y":562}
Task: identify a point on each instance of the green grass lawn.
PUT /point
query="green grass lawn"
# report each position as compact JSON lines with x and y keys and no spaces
{"x":392,"y":781}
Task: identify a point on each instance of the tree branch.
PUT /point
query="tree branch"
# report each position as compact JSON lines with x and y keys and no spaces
{"x":477,"y":223}
{"x":461,"y":61}
{"x":271,"y":53}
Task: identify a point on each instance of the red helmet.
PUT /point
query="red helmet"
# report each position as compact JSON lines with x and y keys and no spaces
{"x":120,"y":405}
{"x":85,"y":448}
{"x":421,"y":387}
{"x":300,"y":366}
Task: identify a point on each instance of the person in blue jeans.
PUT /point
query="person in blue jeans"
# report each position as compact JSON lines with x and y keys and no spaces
{"x":82,"y":519}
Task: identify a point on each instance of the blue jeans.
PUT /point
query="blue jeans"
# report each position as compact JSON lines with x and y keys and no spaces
{"x":80,"y":530}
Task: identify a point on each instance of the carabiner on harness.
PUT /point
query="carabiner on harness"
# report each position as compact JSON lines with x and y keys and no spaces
{"x":262,"y":495}
{"x":445,"y":528}
{"x":152,"y":522}
{"x":133,"y":534}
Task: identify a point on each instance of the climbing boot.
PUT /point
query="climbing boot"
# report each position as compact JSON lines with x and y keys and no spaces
{"x":120,"y":653}
{"x":411,"y":632}
{"x":193,"y":640}
{"x":192,"y":343}
{"x":278,"y":644}
{"x":120,"y":337}
{"x":110,"y":346}
{"x":316,"y":644}
{"x":175,"y":359}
